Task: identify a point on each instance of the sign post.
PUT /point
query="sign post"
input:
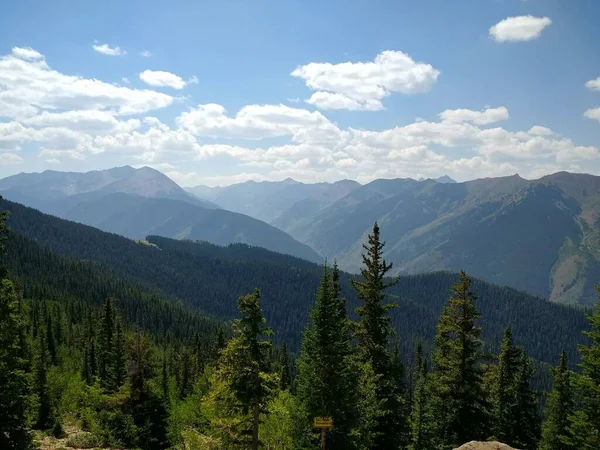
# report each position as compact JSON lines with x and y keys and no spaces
{"x":323,"y":423}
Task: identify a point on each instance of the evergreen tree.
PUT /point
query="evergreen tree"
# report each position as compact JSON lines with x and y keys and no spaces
{"x":105,"y":346}
{"x":14,"y":433}
{"x":147,"y":409}
{"x":527,"y":434}
{"x":504,"y":395}
{"x":243,"y":385}
{"x":457,"y":399}
{"x":372,"y":333}
{"x":284,"y":369}
{"x":560,"y":405}
{"x":418,"y":417}
{"x":326,"y":382}
{"x":165,"y":379}
{"x":119,"y":357}
{"x":51,"y":345}
{"x":43,"y":419}
{"x":584,"y":426}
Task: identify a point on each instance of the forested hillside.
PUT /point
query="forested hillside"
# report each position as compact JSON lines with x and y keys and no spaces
{"x":209,"y":278}
{"x":540,"y":236}
{"x":95,"y":357}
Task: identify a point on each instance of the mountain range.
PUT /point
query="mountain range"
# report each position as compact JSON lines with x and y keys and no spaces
{"x":137,"y":202}
{"x":50,"y":255}
{"x":539,"y":236}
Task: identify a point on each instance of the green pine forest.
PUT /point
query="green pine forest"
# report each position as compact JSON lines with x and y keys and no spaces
{"x":110,"y":343}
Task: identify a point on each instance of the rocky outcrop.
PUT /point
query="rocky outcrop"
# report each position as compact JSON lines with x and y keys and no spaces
{"x":475,"y":445}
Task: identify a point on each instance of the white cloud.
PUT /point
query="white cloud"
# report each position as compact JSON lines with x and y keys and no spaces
{"x":593,"y":85}
{"x":537,"y":130}
{"x":146,"y":53}
{"x":593,"y":113}
{"x":27,"y":85}
{"x":57,"y":155}
{"x":362,"y":85}
{"x":193,"y":80}
{"x":107,"y":50}
{"x":162,"y":79}
{"x":27,"y":53}
{"x":258,"y":122}
{"x":10,"y":158}
{"x":484,"y":117}
{"x":88,"y":121}
{"x":519,"y":28}
{"x":125,"y":80}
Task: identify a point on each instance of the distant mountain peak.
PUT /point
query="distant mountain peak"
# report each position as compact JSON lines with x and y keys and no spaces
{"x":443,"y":179}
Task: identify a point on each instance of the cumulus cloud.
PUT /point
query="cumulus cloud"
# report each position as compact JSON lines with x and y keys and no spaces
{"x":10,"y":158}
{"x":363,"y":85}
{"x":257,"y":122}
{"x":519,"y":28}
{"x":146,"y":53}
{"x":484,"y":117}
{"x":28,"y":85}
{"x":107,"y":50}
{"x":593,"y":113}
{"x":593,"y":85}
{"x":537,"y":130}
{"x":27,"y":53}
{"x":160,"y":78}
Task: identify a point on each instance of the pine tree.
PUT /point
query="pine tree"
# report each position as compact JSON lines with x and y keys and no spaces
{"x":50,"y":336}
{"x":147,"y":409}
{"x":119,"y":357}
{"x":14,"y":433}
{"x":527,"y":434}
{"x":457,"y":399}
{"x":43,"y":419}
{"x":560,"y":405}
{"x":326,"y":382}
{"x":504,"y":396}
{"x":372,"y":333}
{"x":284,"y":370}
{"x":584,"y":428}
{"x":243,"y":385}
{"x":105,"y":346}
{"x":418,"y":417}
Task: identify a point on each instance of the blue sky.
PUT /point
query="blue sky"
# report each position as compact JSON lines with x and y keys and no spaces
{"x":235,"y":90}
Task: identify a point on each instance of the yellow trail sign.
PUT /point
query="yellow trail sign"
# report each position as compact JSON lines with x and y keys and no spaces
{"x":323,"y":422}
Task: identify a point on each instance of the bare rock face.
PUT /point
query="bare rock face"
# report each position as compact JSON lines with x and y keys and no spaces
{"x":475,"y":445}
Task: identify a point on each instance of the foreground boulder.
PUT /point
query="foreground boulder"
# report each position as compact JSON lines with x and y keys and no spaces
{"x":475,"y":445}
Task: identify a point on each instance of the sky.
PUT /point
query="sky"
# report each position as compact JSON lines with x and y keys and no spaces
{"x":217,"y":92}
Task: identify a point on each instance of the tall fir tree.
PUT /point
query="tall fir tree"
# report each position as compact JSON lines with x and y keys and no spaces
{"x":284,"y":369}
{"x":51,"y":345}
{"x":504,"y":417}
{"x":14,"y":432}
{"x":326,"y":382}
{"x":584,"y":428}
{"x":119,"y":355}
{"x":458,"y":401}
{"x":43,"y":416}
{"x":527,"y":434}
{"x":419,"y":420}
{"x":242,"y":384}
{"x":106,"y":345}
{"x":559,"y":406}
{"x":373,"y":331}
{"x":148,"y":409}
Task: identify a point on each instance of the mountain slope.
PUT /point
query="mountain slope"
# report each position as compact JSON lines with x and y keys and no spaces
{"x":137,"y":217}
{"x":540,"y":236}
{"x":49,"y":190}
{"x":209,"y":278}
{"x":268,"y":200}
{"x":137,"y":202}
